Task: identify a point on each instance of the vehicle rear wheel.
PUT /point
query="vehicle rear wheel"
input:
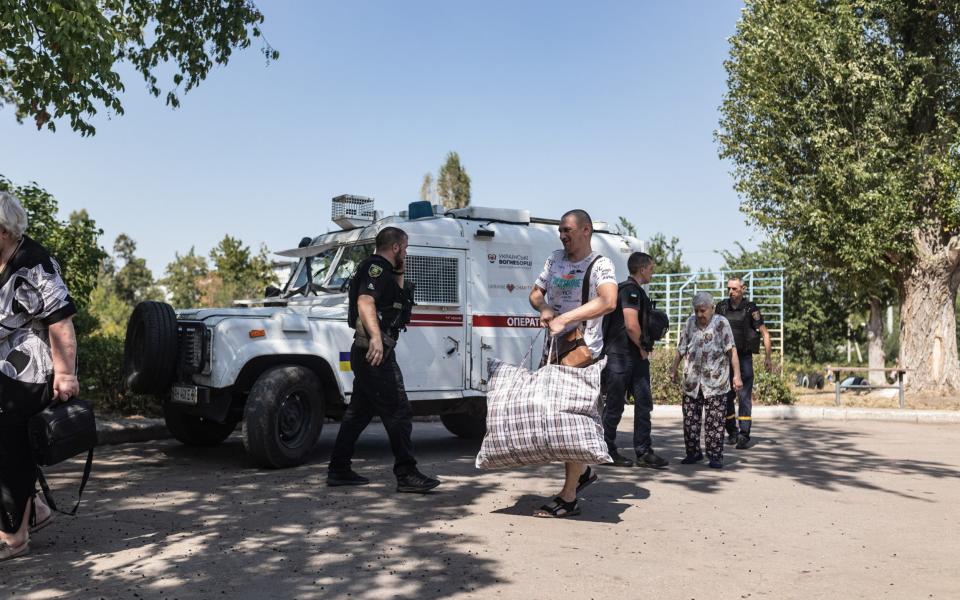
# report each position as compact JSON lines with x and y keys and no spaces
{"x":150,"y":349}
{"x":284,"y":416}
{"x":470,"y":426}
{"x":194,"y":430}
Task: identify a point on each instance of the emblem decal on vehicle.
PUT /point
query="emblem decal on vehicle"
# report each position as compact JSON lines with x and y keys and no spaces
{"x":492,"y":257}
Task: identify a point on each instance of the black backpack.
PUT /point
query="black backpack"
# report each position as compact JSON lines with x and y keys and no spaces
{"x":655,"y":323}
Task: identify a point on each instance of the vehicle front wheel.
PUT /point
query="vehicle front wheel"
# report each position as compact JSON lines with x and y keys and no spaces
{"x":283,"y":416}
{"x":193,"y":430}
{"x":470,"y":426}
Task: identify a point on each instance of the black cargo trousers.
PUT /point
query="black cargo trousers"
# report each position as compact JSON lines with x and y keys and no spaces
{"x":377,"y":391}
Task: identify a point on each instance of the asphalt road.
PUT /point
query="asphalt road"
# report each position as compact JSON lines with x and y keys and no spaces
{"x":814,"y":510}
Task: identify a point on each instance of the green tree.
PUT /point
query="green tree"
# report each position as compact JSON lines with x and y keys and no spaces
{"x":132,"y":281}
{"x":240,"y":273}
{"x":625,"y":227}
{"x":73,"y":243}
{"x":183,"y":277}
{"x":62,"y":59}
{"x":667,"y":254}
{"x":110,"y":310}
{"x":453,"y":183}
{"x":426,"y":188}
{"x":842,"y":120}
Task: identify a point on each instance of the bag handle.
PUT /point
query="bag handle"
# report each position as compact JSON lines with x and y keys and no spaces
{"x":83,"y":483}
{"x":530,"y":349}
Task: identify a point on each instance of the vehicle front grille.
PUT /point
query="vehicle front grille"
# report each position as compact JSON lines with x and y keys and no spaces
{"x":192,"y":347}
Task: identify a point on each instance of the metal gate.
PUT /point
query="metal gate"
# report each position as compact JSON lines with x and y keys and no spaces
{"x":673,"y":293}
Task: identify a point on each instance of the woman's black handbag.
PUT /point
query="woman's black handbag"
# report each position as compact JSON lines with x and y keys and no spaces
{"x":62,"y":431}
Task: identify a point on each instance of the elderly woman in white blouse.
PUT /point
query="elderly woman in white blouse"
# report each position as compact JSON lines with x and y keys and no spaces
{"x":707,"y":347}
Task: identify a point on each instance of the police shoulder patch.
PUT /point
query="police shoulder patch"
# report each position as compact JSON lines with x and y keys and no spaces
{"x":633,"y":297}
{"x":374,"y":270}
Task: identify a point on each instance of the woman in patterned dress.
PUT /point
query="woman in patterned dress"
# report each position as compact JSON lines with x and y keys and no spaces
{"x":38,"y":348}
{"x":706,"y":343}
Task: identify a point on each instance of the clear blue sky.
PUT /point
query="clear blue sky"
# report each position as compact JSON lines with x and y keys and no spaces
{"x":608,"y":106}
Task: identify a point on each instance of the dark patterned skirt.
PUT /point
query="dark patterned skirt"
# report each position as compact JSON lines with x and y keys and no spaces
{"x":18,"y":469}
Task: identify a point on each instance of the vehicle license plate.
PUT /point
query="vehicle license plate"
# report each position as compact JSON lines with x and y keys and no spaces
{"x":184,"y":394}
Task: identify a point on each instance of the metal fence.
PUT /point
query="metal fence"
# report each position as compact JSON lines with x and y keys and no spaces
{"x":673,"y":293}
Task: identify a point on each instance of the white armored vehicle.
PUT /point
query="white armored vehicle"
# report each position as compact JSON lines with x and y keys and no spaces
{"x":283,"y":367}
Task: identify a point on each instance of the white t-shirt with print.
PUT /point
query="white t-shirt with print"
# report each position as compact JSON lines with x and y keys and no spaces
{"x":563,"y":282}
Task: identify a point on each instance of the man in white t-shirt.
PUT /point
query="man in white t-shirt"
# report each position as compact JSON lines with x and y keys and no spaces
{"x":558,"y":295}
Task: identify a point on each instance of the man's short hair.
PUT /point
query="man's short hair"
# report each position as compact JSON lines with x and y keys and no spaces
{"x":637,"y":261}
{"x":703,"y":299}
{"x":389,"y":236}
{"x":581,"y":216}
{"x":737,"y":279}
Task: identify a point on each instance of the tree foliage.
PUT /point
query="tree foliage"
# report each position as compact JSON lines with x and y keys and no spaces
{"x":842,"y":119}
{"x":62,"y":59}
{"x":181,"y":279}
{"x":427,"y":191}
{"x":667,"y":254}
{"x":453,"y":183}
{"x":239,"y":273}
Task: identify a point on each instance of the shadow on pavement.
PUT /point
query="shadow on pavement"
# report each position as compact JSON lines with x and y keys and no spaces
{"x":808,"y":453}
{"x":164,"y":520}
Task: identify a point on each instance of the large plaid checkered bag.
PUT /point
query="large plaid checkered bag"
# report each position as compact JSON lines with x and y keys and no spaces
{"x":545,"y":416}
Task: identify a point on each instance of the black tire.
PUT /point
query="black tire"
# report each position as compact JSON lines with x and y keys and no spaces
{"x":193,"y":430}
{"x":470,"y":426}
{"x":150,"y":350}
{"x":283,"y":417}
{"x":819,"y":381}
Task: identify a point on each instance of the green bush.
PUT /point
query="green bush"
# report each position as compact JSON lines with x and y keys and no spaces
{"x":768,"y":388}
{"x":100,"y":369}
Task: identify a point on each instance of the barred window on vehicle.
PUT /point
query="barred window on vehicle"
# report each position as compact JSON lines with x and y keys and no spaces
{"x":437,"y":279}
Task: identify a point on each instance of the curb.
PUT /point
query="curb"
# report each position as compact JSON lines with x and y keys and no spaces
{"x":825,"y":413}
{"x":123,"y":431}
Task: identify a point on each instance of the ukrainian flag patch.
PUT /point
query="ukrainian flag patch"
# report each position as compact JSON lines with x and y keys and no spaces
{"x":345,"y":361}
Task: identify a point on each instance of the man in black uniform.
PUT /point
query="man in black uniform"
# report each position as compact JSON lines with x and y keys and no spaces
{"x":628,"y":368}
{"x":379,"y":308}
{"x":747,"y":324}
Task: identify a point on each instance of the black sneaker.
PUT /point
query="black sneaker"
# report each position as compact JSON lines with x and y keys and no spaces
{"x":650,"y":460}
{"x":716,"y":464}
{"x":732,"y":437}
{"x":619,"y":460}
{"x":743,"y":442}
{"x":692,"y":458}
{"x":415,"y":482}
{"x":338,"y":478}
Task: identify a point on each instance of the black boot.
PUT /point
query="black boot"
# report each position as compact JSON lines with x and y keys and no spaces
{"x":619,"y":460}
{"x":348,"y":477}
{"x":415,"y":482}
{"x":651,"y":460}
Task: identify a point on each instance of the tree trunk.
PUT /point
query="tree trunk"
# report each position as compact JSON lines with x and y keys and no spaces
{"x":928,"y":339}
{"x":875,"y":343}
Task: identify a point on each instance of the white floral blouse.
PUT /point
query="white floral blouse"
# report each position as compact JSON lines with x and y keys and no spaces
{"x":706,"y":367}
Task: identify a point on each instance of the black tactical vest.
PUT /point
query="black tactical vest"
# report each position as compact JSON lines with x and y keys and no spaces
{"x":745,"y":336}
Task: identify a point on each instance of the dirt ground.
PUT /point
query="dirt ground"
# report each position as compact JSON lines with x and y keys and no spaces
{"x":888,"y":398}
{"x":815,"y":509}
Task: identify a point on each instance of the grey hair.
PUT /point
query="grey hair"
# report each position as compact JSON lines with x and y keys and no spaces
{"x":12,"y":216}
{"x":703,"y":299}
